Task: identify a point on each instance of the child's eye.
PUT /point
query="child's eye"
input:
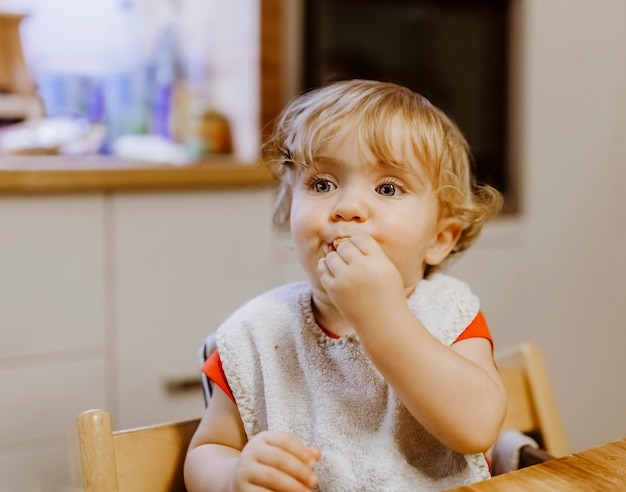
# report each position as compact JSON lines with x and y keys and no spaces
{"x":388,"y":189}
{"x":323,"y":186}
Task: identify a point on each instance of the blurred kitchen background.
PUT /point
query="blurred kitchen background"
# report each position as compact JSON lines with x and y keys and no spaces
{"x":145,"y":67}
{"x":105,"y":297}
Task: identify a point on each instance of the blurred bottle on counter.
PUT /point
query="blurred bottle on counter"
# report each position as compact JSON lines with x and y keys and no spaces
{"x":174,"y":80}
{"x":123,"y":89}
{"x":208,"y":132}
{"x":163,"y":88}
{"x":207,"y":129}
{"x":167,"y":100}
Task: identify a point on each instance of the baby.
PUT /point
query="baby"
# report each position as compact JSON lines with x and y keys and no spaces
{"x":377,"y":372}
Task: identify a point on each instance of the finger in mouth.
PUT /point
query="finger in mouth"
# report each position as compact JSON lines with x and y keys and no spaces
{"x":338,"y":241}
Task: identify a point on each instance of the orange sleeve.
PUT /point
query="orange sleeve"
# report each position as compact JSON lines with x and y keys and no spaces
{"x":476,"y":329}
{"x":212,"y":367}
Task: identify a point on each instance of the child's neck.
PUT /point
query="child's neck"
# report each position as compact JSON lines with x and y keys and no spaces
{"x":330,"y":319}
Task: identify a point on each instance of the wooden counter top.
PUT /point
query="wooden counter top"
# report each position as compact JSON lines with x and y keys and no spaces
{"x":601,"y":468}
{"x":27,"y":175}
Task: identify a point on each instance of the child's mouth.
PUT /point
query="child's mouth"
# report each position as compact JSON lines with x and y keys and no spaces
{"x":335,"y":244}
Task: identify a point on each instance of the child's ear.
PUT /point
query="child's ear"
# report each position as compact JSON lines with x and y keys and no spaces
{"x":448,"y":233}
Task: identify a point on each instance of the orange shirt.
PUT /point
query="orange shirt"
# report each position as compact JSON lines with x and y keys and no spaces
{"x":212,"y":367}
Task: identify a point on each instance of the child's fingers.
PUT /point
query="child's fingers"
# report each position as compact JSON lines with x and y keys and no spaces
{"x":365,"y":243}
{"x":271,"y":478}
{"x":353,"y":250}
{"x":349,"y":252}
{"x":323,"y":269}
{"x":283,"y":461}
{"x":293,"y":445}
{"x":317,"y":454}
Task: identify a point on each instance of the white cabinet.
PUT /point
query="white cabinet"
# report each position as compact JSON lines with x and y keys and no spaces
{"x":51,"y":274}
{"x":53,"y":340}
{"x":183,"y":263}
{"x":105,"y":299}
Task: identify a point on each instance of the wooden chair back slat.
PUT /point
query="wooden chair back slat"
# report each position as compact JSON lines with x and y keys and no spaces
{"x":532,"y":406}
{"x":134,"y":460}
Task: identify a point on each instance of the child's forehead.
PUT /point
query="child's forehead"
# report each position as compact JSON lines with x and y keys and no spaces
{"x":393,"y":147}
{"x":394,"y":137}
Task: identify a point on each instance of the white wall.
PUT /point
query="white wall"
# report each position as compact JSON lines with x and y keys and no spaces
{"x":557,"y":273}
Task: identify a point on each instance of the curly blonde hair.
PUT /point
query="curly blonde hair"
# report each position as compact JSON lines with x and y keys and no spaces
{"x":369,"y":107}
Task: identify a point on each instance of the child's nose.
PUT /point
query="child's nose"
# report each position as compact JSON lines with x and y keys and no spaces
{"x":350,"y":207}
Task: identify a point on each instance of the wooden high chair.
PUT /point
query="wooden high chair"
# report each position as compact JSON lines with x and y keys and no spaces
{"x":134,"y":460}
{"x":532,"y":407}
{"x":151,"y":458}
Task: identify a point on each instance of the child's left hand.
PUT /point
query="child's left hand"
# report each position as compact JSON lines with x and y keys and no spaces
{"x":359,"y":278}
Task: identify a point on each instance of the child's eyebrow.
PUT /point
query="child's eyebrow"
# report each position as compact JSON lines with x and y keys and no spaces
{"x":410,"y":171}
{"x":324,"y":159}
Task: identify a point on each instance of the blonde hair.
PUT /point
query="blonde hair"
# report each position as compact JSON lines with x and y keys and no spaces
{"x":369,"y":107}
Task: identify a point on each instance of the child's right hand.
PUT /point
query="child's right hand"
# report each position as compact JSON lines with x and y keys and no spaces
{"x":360,"y":278}
{"x":274,"y":460}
